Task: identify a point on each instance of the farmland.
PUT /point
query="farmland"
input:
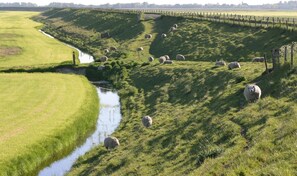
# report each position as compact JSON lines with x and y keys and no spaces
{"x":23,"y":45}
{"x":202,"y":124}
{"x":40,"y":116}
{"x":43,"y":115}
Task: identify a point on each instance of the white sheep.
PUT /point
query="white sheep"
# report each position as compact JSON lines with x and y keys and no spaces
{"x":172,"y":29}
{"x":167,"y":57}
{"x":180,"y":57}
{"x":106,"y":51}
{"x":162,"y":59}
{"x":139,"y":49}
{"x":148,"y":36}
{"x":175,"y":25}
{"x":220,"y":63}
{"x":163,"y":35}
{"x":233,"y":65}
{"x":252,"y":93}
{"x":111,"y":142}
{"x":151,"y":59}
{"x":103,"y":59}
{"x":147,"y":121}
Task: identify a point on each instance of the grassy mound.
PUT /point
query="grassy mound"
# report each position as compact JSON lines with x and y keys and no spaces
{"x":23,"y":45}
{"x":41,"y":116}
{"x":202,"y":124}
{"x":209,"y":41}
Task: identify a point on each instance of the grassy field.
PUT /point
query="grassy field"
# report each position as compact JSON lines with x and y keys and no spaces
{"x":23,"y":45}
{"x":197,"y":40}
{"x":41,"y":116}
{"x":202,"y":123}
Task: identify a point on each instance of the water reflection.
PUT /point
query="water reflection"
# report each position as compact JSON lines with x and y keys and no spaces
{"x":108,"y":121}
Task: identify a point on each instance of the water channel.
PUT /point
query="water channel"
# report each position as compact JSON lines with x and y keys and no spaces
{"x":108,"y":120}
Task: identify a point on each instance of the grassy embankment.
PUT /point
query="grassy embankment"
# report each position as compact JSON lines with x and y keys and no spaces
{"x":23,"y":45}
{"x":42,"y":116}
{"x":197,"y":40}
{"x":202,"y":124}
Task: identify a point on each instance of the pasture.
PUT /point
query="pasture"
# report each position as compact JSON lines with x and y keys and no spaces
{"x":22,"y":44}
{"x":41,"y":115}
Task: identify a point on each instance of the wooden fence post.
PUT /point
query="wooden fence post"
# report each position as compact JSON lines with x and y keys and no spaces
{"x":285,"y":53}
{"x":265,"y":60}
{"x":73,"y":58}
{"x":292,"y":54}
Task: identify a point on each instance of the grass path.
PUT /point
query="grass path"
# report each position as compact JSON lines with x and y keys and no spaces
{"x":140,"y":41}
{"x":22,"y":44}
{"x":39,"y":117}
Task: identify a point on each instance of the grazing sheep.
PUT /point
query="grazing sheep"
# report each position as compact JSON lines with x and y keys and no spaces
{"x":147,"y":121}
{"x":252,"y":93}
{"x":180,"y":57}
{"x":172,"y":29}
{"x":151,"y":59}
{"x":148,"y":36}
{"x":111,"y":142}
{"x":168,"y":62}
{"x":233,"y":65}
{"x":139,"y":49}
{"x":106,"y":51}
{"x":167,"y":57}
{"x":220,"y":63}
{"x":258,"y":59}
{"x":103,"y":59}
{"x":162,"y":59}
{"x":175,"y":25}
{"x":113,"y":48}
{"x":163,"y":35}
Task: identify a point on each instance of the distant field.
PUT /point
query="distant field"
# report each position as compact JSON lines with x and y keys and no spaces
{"x":40,"y":115}
{"x":286,"y":14}
{"x":22,"y":44}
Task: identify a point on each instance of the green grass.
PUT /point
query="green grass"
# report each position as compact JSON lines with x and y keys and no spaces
{"x":83,"y":28}
{"x":202,"y":124}
{"x":23,"y":45}
{"x":42,"y":114}
{"x":209,"y":41}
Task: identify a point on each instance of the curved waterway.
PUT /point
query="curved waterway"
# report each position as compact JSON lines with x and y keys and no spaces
{"x":108,"y":120}
{"x":83,"y":57}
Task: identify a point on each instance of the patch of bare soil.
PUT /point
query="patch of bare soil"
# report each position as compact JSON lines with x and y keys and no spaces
{"x":9,"y":50}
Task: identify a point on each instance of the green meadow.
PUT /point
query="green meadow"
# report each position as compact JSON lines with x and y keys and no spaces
{"x":23,"y":45}
{"x":202,"y":124}
{"x":42,"y":115}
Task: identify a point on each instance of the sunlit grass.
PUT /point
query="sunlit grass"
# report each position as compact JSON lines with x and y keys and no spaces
{"x":18,"y":30}
{"x":41,"y":115}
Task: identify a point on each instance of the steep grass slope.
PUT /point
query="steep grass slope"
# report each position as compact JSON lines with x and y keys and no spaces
{"x":209,"y":41}
{"x":83,"y":28}
{"x":22,"y":44}
{"x":42,"y":115}
{"x":202,"y":124}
